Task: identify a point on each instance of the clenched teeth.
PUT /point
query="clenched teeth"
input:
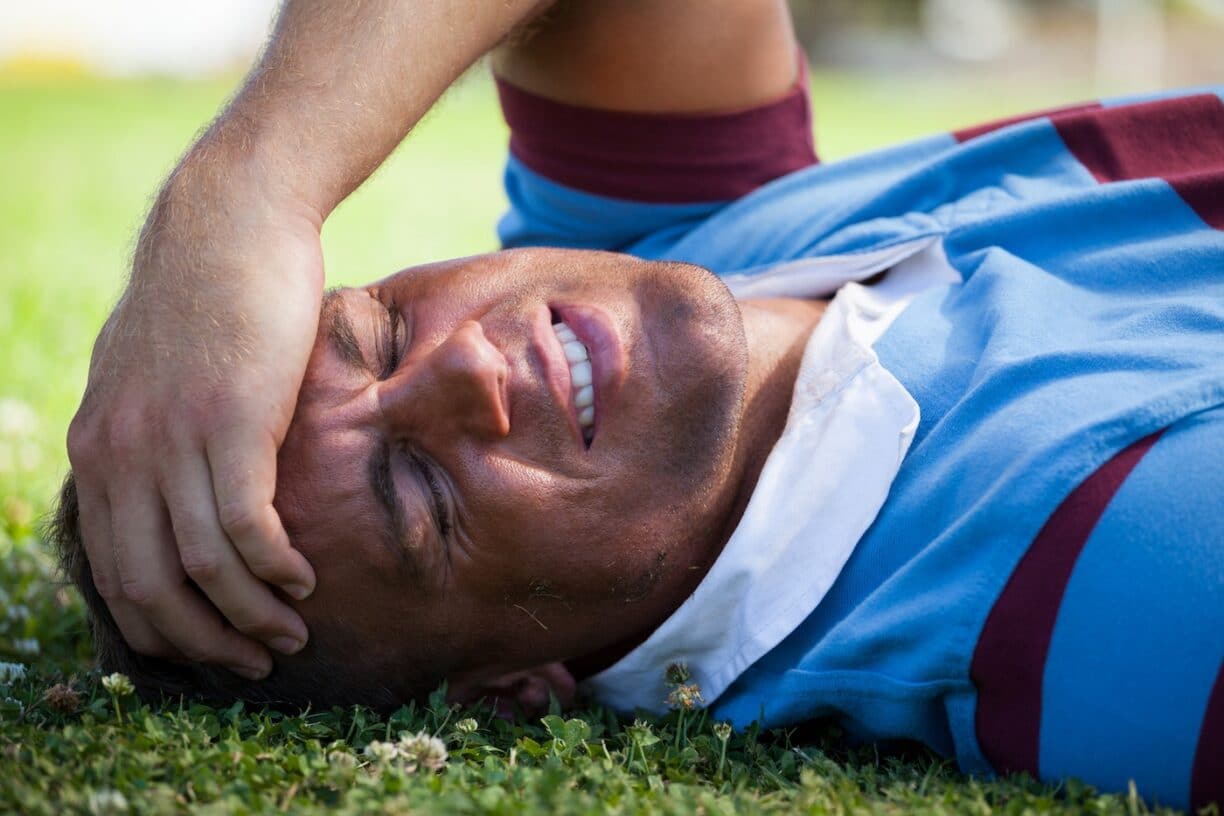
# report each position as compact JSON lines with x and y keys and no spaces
{"x":580,"y":376}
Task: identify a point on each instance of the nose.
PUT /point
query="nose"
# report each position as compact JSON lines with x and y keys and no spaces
{"x":458,"y":388}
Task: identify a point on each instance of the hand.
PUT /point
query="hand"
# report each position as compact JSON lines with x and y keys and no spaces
{"x":191,"y":388}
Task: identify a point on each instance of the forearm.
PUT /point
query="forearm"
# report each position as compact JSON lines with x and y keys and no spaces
{"x":338,"y":86}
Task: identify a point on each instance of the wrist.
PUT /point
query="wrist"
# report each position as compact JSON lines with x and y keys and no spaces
{"x":234,"y":170}
{"x":218,"y":216}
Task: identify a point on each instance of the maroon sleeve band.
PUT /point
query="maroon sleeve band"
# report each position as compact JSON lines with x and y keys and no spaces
{"x":1207,"y":775}
{"x":1177,"y":139}
{"x":965,"y":134}
{"x":1180,"y":140}
{"x":661,"y":158}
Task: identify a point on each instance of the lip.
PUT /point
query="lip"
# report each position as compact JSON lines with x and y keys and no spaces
{"x":597,"y":331}
{"x":556,"y":368}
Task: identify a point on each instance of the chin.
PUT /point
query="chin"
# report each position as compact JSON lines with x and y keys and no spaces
{"x":702,"y":353}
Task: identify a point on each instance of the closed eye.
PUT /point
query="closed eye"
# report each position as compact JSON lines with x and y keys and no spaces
{"x":391,"y":341}
{"x":441,"y":508}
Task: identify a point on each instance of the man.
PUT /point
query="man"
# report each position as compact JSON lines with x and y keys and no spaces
{"x":953,"y":503}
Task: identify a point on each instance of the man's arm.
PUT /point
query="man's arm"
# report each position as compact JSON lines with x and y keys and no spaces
{"x":195,"y":375}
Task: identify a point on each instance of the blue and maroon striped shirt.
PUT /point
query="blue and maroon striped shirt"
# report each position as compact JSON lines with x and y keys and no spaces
{"x":1044,"y":587}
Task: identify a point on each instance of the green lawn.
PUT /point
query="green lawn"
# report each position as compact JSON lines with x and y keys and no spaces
{"x":79,"y":160}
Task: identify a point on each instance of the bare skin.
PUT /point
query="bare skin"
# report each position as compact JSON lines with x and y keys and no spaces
{"x":195,"y":376}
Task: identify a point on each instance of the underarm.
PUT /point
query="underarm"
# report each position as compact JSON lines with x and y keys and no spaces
{"x":655,"y":56}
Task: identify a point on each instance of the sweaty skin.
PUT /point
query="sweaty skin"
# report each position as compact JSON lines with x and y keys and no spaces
{"x":519,"y":545}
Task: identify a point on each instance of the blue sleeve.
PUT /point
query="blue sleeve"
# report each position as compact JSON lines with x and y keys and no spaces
{"x":598,"y":179}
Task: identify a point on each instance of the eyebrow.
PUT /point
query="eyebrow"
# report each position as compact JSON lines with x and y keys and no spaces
{"x":335,"y":323}
{"x":395,"y":531}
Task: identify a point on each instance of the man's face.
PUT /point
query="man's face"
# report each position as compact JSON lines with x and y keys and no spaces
{"x":459,"y":509}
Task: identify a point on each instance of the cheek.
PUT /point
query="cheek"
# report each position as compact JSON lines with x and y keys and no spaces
{"x":549,"y":541}
{"x":530,"y":534}
{"x":582,"y":554}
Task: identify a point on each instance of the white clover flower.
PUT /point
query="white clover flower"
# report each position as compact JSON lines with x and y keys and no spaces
{"x":10,"y":672}
{"x":17,"y":418}
{"x":722,"y":730}
{"x":380,"y":752}
{"x":421,"y":750}
{"x":105,"y":802}
{"x":467,"y":726}
{"x":118,"y":684}
{"x":343,"y":759}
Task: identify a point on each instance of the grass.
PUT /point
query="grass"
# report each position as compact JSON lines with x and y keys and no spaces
{"x":239,"y":760}
{"x":79,"y":159}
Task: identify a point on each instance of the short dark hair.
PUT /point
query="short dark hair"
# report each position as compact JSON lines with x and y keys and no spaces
{"x":319,"y":675}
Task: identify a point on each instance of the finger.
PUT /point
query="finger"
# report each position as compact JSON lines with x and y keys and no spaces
{"x":95,"y":524}
{"x":152,"y":579}
{"x":210,"y":560}
{"x":243,"y":465}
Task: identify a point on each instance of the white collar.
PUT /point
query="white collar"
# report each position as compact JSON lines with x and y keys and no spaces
{"x":850,"y":425}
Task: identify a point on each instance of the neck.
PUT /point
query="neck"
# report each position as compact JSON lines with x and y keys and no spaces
{"x":777,"y":331}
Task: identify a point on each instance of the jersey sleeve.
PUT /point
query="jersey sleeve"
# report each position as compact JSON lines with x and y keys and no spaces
{"x":602,"y":179}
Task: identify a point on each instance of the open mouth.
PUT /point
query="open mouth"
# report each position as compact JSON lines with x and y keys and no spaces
{"x":578,"y":358}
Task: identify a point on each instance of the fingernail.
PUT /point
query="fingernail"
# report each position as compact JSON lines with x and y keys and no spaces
{"x":298,"y":591}
{"x":286,"y":645}
{"x":249,"y":672}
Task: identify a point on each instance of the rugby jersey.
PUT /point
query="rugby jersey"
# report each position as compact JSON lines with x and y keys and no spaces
{"x":1043,"y":588}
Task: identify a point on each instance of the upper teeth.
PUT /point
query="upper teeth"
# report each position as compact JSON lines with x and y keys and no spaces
{"x":580,"y":375}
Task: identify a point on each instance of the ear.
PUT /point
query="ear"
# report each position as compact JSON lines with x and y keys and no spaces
{"x":528,"y":690}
